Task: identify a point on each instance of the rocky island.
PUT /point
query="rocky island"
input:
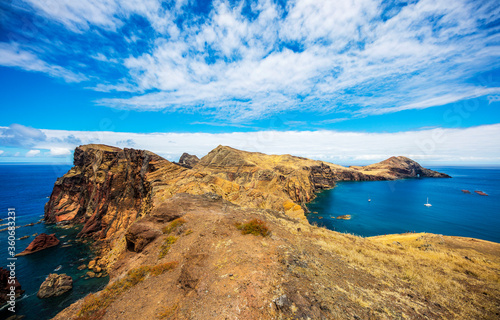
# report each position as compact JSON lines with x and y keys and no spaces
{"x":226,"y":237}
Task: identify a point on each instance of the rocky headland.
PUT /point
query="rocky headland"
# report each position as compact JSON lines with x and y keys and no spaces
{"x":225,"y":237}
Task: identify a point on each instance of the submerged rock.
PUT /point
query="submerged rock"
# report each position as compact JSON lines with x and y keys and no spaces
{"x":42,"y":241}
{"x":55,"y":285}
{"x":344,"y":217}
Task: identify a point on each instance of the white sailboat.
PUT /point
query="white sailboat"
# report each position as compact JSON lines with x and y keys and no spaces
{"x":427,"y":204}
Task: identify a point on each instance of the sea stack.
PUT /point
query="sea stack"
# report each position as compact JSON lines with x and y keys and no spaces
{"x":42,"y":241}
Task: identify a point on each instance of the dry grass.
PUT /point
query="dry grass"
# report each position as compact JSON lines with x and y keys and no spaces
{"x":161,"y":268}
{"x":94,"y":305}
{"x":256,"y":227}
{"x":168,"y":313}
{"x":165,"y":247}
{"x":457,"y":278}
{"x":172,"y":226}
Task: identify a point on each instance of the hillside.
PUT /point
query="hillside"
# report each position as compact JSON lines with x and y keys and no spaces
{"x":172,"y":243}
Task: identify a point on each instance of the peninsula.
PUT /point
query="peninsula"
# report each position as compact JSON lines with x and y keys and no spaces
{"x":226,"y":237}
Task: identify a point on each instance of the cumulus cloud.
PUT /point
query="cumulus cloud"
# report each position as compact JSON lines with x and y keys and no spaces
{"x":434,"y":145}
{"x":17,"y":135}
{"x":33,"y":153}
{"x":247,"y":60}
{"x":1,"y":152}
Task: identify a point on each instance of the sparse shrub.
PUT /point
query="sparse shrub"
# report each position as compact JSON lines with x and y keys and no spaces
{"x":188,"y":232}
{"x":165,"y":247}
{"x":161,"y":268}
{"x":256,"y":227}
{"x":94,"y":305}
{"x":173,"y":225}
{"x":167,"y":312}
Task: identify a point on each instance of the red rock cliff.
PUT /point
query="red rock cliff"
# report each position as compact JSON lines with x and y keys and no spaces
{"x":106,"y":190}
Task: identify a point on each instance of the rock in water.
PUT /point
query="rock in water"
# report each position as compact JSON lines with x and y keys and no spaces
{"x":5,"y":286}
{"x":42,"y":241}
{"x":55,"y":285}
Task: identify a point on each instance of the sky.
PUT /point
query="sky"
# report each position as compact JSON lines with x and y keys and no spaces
{"x":351,"y":82}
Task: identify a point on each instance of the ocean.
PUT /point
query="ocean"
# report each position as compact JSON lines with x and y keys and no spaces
{"x":27,"y":188}
{"x":398,"y":206}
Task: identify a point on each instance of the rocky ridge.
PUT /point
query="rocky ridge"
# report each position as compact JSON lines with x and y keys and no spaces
{"x":109,"y":188}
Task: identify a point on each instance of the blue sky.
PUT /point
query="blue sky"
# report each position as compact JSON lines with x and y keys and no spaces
{"x":418,"y":78}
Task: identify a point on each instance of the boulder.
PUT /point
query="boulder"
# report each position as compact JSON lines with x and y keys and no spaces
{"x":5,"y":286}
{"x":55,"y":285}
{"x":92,"y":264}
{"x":139,"y":236}
{"x":42,"y":241}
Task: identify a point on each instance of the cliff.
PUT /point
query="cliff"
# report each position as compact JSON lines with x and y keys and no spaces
{"x":106,"y":190}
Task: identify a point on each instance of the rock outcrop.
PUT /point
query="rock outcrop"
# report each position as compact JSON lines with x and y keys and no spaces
{"x":188,"y":160}
{"x":41,"y":242}
{"x":55,"y":285}
{"x":106,"y":190}
{"x":9,"y":287}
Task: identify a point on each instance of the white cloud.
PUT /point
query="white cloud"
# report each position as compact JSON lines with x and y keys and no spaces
{"x":57,"y":151}
{"x":356,"y":56}
{"x":1,"y":152}
{"x":467,"y":145}
{"x":346,"y":52}
{"x":33,"y":153}
{"x":12,"y":56}
{"x":17,"y":135}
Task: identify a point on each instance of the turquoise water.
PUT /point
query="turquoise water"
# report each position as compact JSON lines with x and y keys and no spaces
{"x":27,"y":188}
{"x":398,"y":206}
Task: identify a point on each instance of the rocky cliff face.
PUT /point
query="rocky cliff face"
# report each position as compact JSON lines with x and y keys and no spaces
{"x":106,"y":190}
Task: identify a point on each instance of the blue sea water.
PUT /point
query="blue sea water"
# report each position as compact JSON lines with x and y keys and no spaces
{"x":398,"y":206}
{"x":27,"y":188}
